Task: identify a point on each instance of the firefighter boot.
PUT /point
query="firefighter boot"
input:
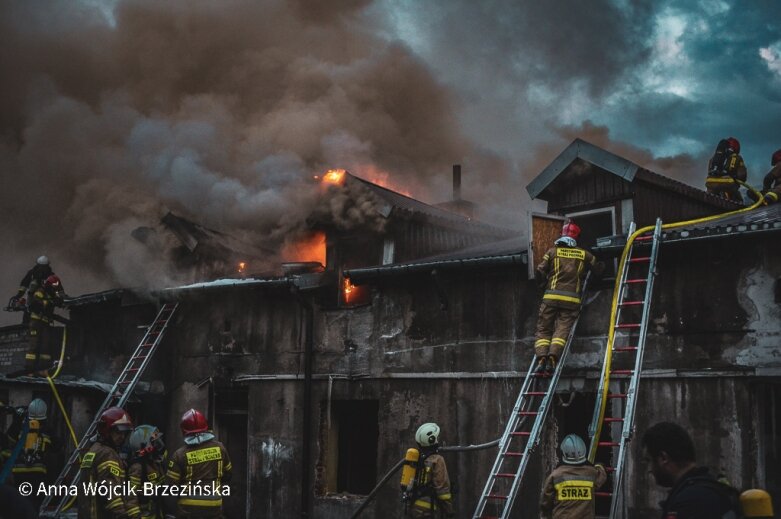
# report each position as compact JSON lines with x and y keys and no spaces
{"x":550,"y":367}
{"x":541,"y":365}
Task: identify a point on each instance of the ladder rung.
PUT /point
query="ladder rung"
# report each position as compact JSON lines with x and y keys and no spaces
{"x":608,"y":444}
{"x":628,"y":325}
{"x":528,"y":413}
{"x":631,"y":303}
{"x":513,"y":454}
{"x":608,"y":420}
{"x":638,"y":280}
{"x":521,"y":433}
{"x":621,"y":371}
{"x":603,"y":494}
{"x":617,"y":395}
{"x":644,"y":238}
{"x":609,"y":469}
{"x":504,"y":475}
{"x":495,"y":496}
{"x":626,"y":348}
{"x":535,"y":393}
{"x":640,"y":260}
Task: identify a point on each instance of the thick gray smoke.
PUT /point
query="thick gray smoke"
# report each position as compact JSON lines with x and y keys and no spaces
{"x":218,"y":111}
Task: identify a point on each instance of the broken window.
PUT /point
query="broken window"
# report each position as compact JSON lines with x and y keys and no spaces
{"x":348,"y":454}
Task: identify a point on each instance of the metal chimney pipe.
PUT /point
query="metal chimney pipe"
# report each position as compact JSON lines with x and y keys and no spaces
{"x":456,"y":182}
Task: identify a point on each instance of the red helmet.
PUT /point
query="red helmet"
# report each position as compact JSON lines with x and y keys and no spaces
{"x":733,"y":144}
{"x":193,"y":422}
{"x":776,"y":158}
{"x":570,"y":229}
{"x":52,"y":281}
{"x":114,"y":418}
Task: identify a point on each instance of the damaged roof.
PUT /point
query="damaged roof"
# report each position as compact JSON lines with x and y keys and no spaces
{"x":194,"y":236}
{"x":503,"y":252}
{"x":618,"y":166}
{"x":396,"y":202}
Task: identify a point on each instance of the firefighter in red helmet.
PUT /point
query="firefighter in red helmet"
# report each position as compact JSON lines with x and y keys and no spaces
{"x":771,"y":185}
{"x":201,"y":460}
{"x":103,"y":466}
{"x":725,"y":168}
{"x":562,"y":272}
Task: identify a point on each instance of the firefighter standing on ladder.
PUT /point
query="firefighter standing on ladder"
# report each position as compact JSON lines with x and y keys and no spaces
{"x":562,"y":271}
{"x":202,"y":460}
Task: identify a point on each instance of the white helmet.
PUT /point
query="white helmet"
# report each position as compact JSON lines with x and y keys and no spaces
{"x":37,"y":410}
{"x":573,"y":450}
{"x":42,"y":260}
{"x":427,"y":435}
{"x":569,"y":241}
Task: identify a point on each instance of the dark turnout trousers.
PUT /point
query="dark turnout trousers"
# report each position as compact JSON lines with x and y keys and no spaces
{"x":553,"y":326}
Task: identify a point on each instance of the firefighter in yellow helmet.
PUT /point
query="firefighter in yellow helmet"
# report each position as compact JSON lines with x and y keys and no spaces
{"x":568,"y":493}
{"x":562,"y":271}
{"x":203,"y":461}
{"x":102,"y":465}
{"x":428,"y":493}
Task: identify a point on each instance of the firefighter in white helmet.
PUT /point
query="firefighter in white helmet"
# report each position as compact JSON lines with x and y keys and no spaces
{"x":568,"y":493}
{"x":428,"y":495}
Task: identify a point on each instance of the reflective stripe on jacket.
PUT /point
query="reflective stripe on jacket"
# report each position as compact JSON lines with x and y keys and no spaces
{"x":206,"y":462}
{"x":565,"y":269}
{"x":568,"y":493}
{"x":433,"y":485}
{"x":102,"y":465}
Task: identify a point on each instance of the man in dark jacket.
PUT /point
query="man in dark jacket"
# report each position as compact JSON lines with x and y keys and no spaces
{"x":694,"y":491}
{"x":32,"y":280}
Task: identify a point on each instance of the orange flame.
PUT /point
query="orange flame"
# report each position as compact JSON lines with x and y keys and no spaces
{"x":348,"y":290}
{"x":382,"y":178}
{"x":242,"y":268}
{"x":308,"y":249}
{"x":334,"y":176}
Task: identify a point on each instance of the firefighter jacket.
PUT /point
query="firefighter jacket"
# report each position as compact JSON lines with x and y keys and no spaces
{"x":771,"y":185}
{"x":33,"y":461}
{"x":42,"y":304}
{"x":564,"y":268}
{"x":206,"y":464}
{"x":146,"y":470}
{"x":732,"y":168}
{"x":100,"y":466}
{"x":35,"y":278}
{"x":568,"y":493}
{"x":432,"y":496}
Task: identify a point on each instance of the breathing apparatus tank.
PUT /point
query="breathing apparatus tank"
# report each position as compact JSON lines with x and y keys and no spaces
{"x":409,"y":469}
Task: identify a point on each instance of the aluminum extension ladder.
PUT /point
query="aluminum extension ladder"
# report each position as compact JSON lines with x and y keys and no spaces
{"x":117,"y":397}
{"x":519,"y":439}
{"x":633,"y":306}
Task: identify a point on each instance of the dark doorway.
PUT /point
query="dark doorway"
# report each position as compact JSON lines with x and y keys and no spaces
{"x":231,"y":430}
{"x":354,"y":423}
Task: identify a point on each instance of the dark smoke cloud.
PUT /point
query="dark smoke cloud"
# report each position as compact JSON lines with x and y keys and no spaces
{"x":218,"y":111}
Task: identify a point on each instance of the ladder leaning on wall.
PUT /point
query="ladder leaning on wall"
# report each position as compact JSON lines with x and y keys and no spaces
{"x":521,"y":436}
{"x":117,"y":397}
{"x":626,"y":339}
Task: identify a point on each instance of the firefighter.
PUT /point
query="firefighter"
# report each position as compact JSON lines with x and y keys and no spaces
{"x":33,"y":462}
{"x":771,"y":185}
{"x":568,"y":492}
{"x":561,"y":272}
{"x":34,"y":278}
{"x":724,"y":168}
{"x":103,"y":466}
{"x":429,"y":490}
{"x":147,"y":465}
{"x":42,"y":303}
{"x":202,"y":460}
